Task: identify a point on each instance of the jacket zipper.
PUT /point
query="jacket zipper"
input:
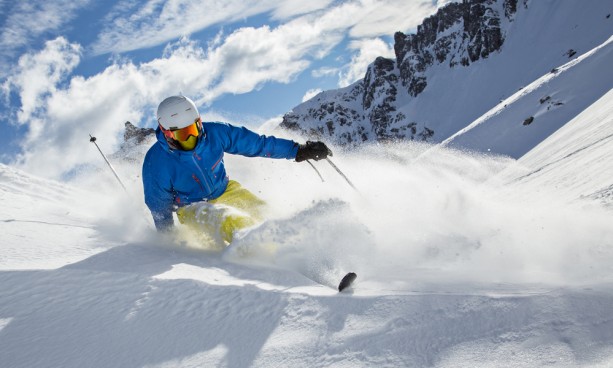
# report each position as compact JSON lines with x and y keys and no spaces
{"x":201,"y":173}
{"x":198,"y":181}
{"x":217,"y":163}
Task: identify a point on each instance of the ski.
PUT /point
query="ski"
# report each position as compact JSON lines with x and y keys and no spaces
{"x":347,"y":281}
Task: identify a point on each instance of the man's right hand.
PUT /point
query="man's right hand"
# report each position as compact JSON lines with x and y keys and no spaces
{"x":312,"y":151}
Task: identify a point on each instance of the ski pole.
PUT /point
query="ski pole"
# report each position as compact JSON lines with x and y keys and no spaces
{"x":93,"y":140}
{"x":341,"y":173}
{"x":317,"y":171}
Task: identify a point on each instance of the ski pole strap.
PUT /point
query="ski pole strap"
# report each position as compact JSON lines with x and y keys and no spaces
{"x":341,"y":174}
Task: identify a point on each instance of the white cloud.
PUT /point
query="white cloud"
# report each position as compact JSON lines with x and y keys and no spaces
{"x":252,"y":56}
{"x":38,"y":74}
{"x":61,"y":115}
{"x":132,"y":27}
{"x":375,"y":18}
{"x":324,"y":72}
{"x":60,"y":118}
{"x":289,"y":8}
{"x":58,"y":130}
{"x":28,"y":20}
{"x":311,"y":93}
{"x":157,"y":21}
{"x":367,"y":51}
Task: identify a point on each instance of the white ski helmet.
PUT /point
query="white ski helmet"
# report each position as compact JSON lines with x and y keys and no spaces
{"x":177,"y":112}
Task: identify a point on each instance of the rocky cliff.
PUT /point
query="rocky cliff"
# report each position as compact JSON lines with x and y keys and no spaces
{"x":370,"y":110}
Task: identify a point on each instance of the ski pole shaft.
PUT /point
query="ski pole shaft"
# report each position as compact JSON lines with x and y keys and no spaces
{"x":93,"y":140}
{"x":317,"y":171}
{"x":341,"y":173}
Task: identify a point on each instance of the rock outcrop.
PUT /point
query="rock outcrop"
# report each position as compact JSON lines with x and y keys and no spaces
{"x":457,"y":35}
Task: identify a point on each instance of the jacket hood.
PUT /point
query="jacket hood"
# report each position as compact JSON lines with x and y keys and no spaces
{"x":161,"y":139}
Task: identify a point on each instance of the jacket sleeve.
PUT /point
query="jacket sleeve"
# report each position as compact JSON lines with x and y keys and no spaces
{"x":158,"y":195}
{"x":242,"y":141}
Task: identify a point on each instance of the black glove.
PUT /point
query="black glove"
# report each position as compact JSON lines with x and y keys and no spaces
{"x":312,"y":151}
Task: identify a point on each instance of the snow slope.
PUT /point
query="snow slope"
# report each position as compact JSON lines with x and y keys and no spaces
{"x":463,"y":260}
{"x":575,"y":160}
{"x":549,"y":102}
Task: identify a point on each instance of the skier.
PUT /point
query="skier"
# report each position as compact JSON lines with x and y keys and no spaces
{"x":184,"y":170}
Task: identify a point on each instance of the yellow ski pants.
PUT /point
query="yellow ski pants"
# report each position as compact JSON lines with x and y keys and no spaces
{"x":220,"y":218}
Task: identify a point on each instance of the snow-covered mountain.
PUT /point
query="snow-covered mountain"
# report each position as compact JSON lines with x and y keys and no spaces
{"x":463,"y":61}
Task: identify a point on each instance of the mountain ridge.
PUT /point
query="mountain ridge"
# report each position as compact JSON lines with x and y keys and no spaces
{"x":461,"y":62}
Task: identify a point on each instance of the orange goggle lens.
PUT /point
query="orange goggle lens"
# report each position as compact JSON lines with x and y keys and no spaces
{"x":184,"y":133}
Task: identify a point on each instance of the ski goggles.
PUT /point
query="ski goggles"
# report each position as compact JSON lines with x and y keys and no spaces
{"x":184,"y":133}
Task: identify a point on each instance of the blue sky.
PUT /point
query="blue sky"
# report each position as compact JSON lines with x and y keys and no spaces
{"x":73,"y":67}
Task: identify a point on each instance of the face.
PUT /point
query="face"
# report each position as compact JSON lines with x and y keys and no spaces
{"x":185,"y":138}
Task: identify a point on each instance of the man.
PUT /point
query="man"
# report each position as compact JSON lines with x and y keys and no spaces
{"x":185,"y":167}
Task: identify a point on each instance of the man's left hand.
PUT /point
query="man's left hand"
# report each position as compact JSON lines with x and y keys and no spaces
{"x":312,"y":151}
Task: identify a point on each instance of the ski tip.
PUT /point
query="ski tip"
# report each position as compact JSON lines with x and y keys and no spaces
{"x":347,"y":281}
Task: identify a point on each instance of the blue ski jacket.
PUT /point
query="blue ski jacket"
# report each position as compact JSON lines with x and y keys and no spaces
{"x":174,"y":178}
